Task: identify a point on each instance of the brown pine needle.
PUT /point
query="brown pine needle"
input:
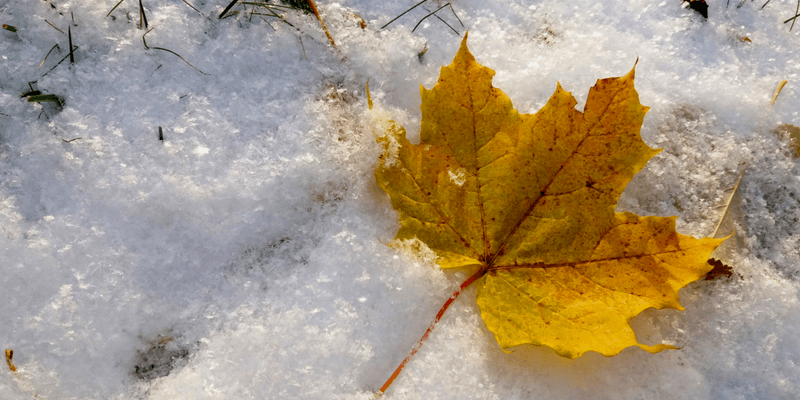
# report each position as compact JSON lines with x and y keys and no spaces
{"x":302,"y":46}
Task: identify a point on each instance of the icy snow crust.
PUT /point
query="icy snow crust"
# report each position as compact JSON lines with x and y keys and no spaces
{"x":243,"y":256}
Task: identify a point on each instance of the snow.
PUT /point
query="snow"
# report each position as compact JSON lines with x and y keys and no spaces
{"x":243,"y":257}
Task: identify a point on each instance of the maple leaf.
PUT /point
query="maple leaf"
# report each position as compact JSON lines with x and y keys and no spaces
{"x":528,"y":200}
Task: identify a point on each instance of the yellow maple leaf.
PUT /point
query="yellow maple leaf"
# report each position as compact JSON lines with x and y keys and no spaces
{"x":528,"y":200}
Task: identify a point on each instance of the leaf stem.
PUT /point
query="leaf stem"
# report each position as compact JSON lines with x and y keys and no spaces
{"x":427,"y":333}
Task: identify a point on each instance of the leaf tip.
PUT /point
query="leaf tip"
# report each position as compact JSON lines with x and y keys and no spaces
{"x":632,"y":74}
{"x":657,"y":348}
{"x":463,"y":50}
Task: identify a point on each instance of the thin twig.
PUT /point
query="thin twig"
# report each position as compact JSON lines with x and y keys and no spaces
{"x":54,"y":27}
{"x":55,"y":46}
{"x":728,"y":203}
{"x":765,"y":4}
{"x":404,"y":13}
{"x":222,"y":14}
{"x":115,"y":7}
{"x":423,"y":19}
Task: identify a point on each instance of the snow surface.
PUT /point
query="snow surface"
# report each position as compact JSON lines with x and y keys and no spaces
{"x":243,"y":256}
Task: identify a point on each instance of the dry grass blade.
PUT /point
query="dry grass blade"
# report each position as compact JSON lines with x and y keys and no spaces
{"x":59,"y":63}
{"x":324,"y":28}
{"x":55,"y":46}
{"x":369,"y":96}
{"x":41,"y":98}
{"x":404,"y":13}
{"x":728,"y":203}
{"x":454,"y":13}
{"x":225,"y":11}
{"x":144,"y":42}
{"x":796,"y":14}
{"x":54,"y":27}
{"x":179,"y":56}
{"x":31,"y":93}
{"x":146,"y":47}
{"x":115,"y":7}
{"x":301,"y":45}
{"x":69,"y":35}
{"x":778,"y":91}
{"x":9,"y":356}
{"x":187,"y":3}
{"x":142,"y":16}
{"x":434,"y":12}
